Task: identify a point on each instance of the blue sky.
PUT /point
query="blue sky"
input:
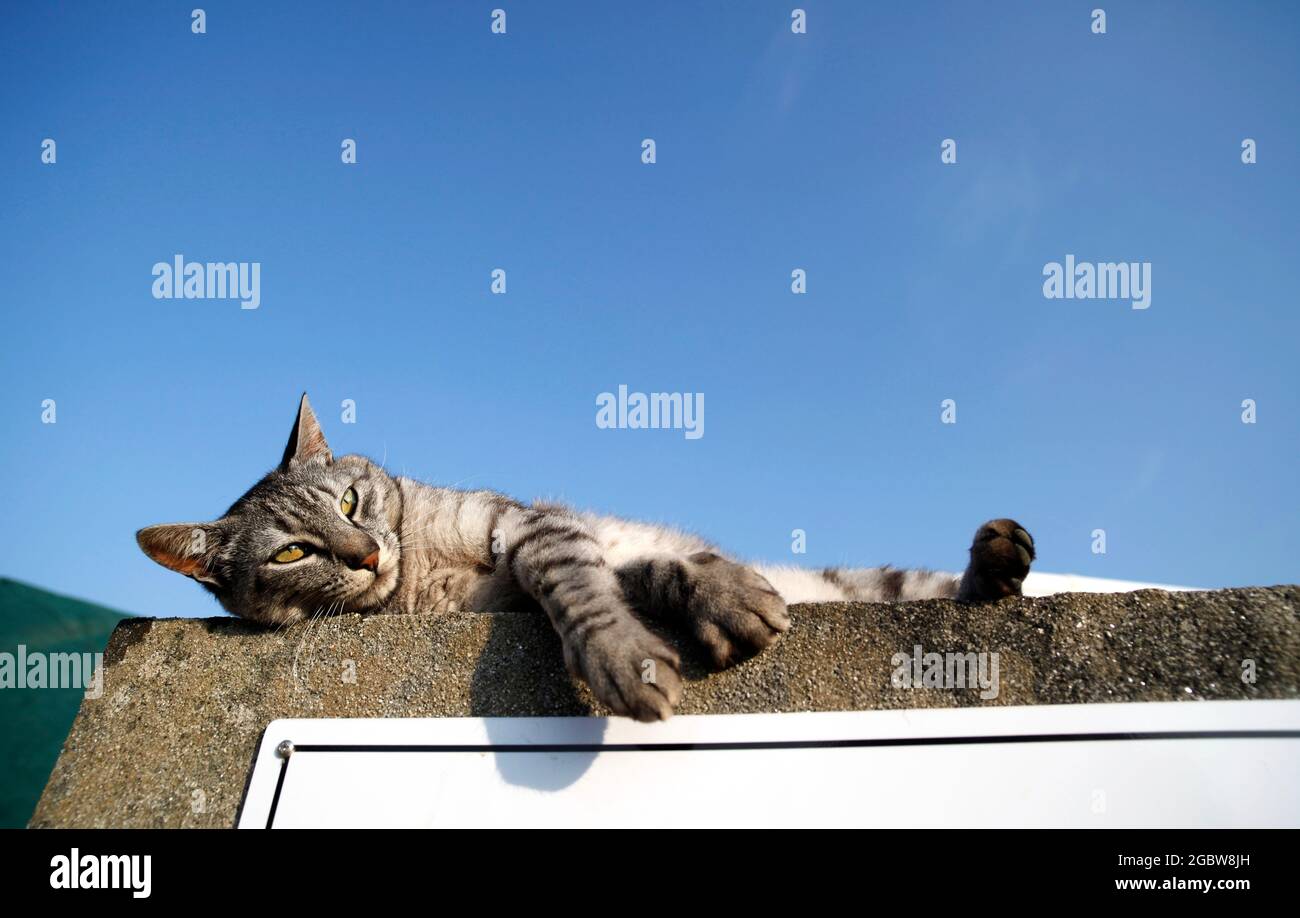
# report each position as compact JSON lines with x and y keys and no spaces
{"x":775,"y":151}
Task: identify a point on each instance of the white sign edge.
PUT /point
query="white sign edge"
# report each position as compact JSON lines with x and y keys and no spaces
{"x":993,"y":721}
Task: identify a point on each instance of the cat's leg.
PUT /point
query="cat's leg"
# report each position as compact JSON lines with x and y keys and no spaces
{"x":728,"y":607}
{"x":682,"y":579}
{"x":555,"y":557}
{"x":1000,"y":557}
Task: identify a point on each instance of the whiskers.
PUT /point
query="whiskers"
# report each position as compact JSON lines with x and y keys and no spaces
{"x":322,"y":612}
{"x":419,"y":539}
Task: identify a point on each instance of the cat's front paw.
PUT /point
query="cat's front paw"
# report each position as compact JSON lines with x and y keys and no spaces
{"x":632,"y":672}
{"x":999,"y":560}
{"x":733,"y":610}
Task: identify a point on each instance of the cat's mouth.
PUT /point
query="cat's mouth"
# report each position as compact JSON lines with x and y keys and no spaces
{"x":372,"y":594}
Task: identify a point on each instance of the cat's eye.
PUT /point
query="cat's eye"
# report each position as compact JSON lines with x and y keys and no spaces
{"x":289,"y":554}
{"x":348,"y":503}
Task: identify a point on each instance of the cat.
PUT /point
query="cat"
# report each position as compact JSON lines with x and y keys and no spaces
{"x":323,"y":534}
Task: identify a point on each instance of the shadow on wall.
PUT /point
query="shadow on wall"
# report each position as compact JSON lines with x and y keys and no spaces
{"x":510,"y":676}
{"x":522,"y":667}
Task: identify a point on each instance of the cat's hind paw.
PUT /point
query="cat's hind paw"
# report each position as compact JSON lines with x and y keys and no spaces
{"x":1000,"y":558}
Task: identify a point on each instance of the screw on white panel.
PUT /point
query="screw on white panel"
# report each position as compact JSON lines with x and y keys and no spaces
{"x":285,"y":749}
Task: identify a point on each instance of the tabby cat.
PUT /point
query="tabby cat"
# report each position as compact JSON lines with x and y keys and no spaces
{"x":323,"y":534}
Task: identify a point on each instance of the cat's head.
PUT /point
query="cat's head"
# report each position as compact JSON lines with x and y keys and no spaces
{"x":318,"y":534}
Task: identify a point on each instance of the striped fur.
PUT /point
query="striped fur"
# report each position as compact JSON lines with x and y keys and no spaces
{"x":410,"y":548}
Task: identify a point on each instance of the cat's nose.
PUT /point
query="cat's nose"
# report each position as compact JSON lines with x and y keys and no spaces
{"x":363,"y":556}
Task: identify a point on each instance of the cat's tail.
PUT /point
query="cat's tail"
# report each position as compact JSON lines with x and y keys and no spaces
{"x":857,"y":584}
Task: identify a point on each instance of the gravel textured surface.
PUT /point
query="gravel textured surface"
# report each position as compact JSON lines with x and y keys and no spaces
{"x":172,"y":739}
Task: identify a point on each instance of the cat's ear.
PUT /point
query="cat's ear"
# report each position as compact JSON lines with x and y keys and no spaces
{"x":305,"y":440}
{"x":186,"y":548}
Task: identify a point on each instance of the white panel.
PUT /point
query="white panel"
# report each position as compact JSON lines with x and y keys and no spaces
{"x":919,"y":768}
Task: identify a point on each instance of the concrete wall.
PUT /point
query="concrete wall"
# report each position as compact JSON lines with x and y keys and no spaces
{"x":171,"y":741}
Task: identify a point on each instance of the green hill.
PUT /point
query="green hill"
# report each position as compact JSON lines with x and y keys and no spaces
{"x":34,"y":722}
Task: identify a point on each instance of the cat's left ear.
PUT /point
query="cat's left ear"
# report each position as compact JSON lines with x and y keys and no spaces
{"x":306,"y":440}
{"x":186,"y":548}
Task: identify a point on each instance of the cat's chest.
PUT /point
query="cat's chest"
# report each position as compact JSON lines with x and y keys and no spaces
{"x":435,"y":587}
